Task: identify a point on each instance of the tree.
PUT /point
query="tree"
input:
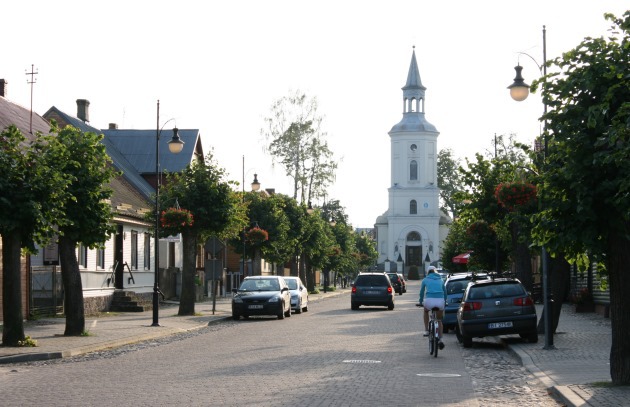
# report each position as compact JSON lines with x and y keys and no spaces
{"x":449,"y":181}
{"x":88,"y":211}
{"x":297,"y":142}
{"x":366,"y":250}
{"x":217,"y":211}
{"x":32,"y":195}
{"x":587,"y":172}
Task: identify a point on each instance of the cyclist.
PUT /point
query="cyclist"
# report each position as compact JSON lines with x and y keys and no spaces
{"x":435,"y":297}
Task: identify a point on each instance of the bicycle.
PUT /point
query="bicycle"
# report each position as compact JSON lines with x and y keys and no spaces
{"x":434,"y":331}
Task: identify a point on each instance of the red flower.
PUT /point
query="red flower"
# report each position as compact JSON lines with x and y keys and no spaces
{"x":513,"y":195}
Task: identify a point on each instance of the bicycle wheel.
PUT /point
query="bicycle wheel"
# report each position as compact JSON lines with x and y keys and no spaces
{"x":436,"y":339}
{"x":432,"y":347}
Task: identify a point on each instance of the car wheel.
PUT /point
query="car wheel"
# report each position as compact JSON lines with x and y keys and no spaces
{"x":287,"y":313}
{"x":305,"y":309}
{"x":532,"y":337}
{"x":467,"y":341}
{"x":298,"y":309}
{"x":354,"y":306}
{"x":281,"y":314}
{"x":390,"y":306}
{"x":460,"y":339}
{"x":236,"y":317}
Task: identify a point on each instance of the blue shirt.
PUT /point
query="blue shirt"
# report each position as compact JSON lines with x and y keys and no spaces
{"x":434,"y":287}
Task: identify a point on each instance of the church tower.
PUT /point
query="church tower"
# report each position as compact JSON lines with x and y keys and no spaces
{"x":408,"y":232}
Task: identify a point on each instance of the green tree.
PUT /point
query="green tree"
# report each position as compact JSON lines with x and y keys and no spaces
{"x":366,"y":250}
{"x":88,"y":211}
{"x":587,"y":173}
{"x":217,"y":211}
{"x":449,"y":181}
{"x":32,"y":195}
{"x":297,"y":142}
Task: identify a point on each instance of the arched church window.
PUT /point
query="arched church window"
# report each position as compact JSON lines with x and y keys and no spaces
{"x":413,"y":170}
{"x":413,"y":237}
{"x":413,"y":207}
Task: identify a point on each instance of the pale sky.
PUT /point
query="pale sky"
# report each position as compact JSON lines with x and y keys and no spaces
{"x":217,"y":66}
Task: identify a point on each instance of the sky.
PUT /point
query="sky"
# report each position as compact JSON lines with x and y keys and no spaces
{"x":218,"y":66}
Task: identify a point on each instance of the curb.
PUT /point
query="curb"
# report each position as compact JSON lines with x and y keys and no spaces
{"x":564,"y":393}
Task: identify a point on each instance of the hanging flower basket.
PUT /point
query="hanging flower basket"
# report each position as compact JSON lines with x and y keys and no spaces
{"x":174,"y":220}
{"x":513,"y":195}
{"x":256,"y":236}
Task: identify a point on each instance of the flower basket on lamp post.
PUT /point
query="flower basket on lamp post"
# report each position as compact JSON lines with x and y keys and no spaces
{"x":514,"y":195}
{"x":175,"y":220}
{"x":256,"y":236}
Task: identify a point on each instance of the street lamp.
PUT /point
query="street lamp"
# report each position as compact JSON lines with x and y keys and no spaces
{"x":255,"y":187}
{"x":519,"y":91}
{"x":175,"y":146}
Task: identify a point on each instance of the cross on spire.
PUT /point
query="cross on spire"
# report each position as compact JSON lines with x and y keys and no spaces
{"x":31,"y":82}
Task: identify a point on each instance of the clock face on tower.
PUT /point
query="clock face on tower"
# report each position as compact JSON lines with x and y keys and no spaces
{"x":413,"y":147}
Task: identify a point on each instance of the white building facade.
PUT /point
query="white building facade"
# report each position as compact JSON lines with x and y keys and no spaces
{"x":408,"y":232}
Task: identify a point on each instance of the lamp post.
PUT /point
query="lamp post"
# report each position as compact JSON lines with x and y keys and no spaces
{"x":255,"y":187}
{"x":519,"y":91}
{"x":175,"y":146}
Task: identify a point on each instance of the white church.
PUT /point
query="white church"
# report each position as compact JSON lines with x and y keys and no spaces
{"x":409,"y":233}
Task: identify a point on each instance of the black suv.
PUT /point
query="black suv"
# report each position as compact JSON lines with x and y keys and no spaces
{"x":498,"y":306}
{"x":396,"y":282}
{"x":372,"y":289}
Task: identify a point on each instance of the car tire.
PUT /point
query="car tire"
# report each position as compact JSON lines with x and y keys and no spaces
{"x":236,"y":317}
{"x":298,"y":309}
{"x":287,"y":313}
{"x":532,"y":337}
{"x":467,"y":341}
{"x":458,"y":335}
{"x":354,"y":307}
{"x":390,"y":306}
{"x":281,"y":314}
{"x":305,"y":309}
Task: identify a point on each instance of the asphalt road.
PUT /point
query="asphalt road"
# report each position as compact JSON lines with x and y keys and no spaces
{"x":329,"y":356}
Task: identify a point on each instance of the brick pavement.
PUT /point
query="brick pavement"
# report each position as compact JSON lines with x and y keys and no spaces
{"x":580,"y":358}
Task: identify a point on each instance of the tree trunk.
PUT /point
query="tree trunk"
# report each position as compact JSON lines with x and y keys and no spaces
{"x":560,"y":272}
{"x":13,"y":328}
{"x":522,"y":259}
{"x":295,"y":270}
{"x":618,"y":258}
{"x":189,"y":271}
{"x":72,"y":287}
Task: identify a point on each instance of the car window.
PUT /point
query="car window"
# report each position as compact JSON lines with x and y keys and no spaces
{"x":371,"y":281}
{"x":455,"y":287}
{"x":393,"y":277}
{"x":495,"y":290}
{"x":260,"y":285}
{"x":293,"y":285}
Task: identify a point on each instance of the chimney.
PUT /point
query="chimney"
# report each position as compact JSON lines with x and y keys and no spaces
{"x":113,"y":126}
{"x":3,"y":88}
{"x":83,"y":110}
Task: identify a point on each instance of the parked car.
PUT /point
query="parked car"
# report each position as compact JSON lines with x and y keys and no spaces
{"x":499,"y":306}
{"x":372,"y":289}
{"x":404,"y":282}
{"x":396,"y":282}
{"x":261,"y":295}
{"x":455,"y":285}
{"x":299,"y":294}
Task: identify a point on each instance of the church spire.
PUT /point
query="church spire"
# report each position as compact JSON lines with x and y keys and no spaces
{"x":413,"y":91}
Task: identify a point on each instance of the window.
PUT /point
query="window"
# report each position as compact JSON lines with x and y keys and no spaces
{"x":413,"y":207}
{"x":413,"y":170}
{"x":134,"y":250}
{"x":100,"y":259}
{"x":413,"y":237}
{"x":82,"y":255}
{"x":147,"y":251}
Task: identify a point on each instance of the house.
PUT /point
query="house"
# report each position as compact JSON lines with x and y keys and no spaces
{"x":29,"y":123}
{"x":127,"y":260}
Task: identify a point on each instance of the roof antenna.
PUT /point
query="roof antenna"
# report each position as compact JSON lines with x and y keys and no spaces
{"x":31,"y":82}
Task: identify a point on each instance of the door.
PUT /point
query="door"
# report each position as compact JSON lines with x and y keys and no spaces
{"x":118,"y":258}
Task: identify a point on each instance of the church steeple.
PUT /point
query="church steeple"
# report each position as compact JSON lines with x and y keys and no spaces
{"x":413,"y":91}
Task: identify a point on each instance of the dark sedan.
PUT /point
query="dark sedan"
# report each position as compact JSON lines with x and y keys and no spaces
{"x":261,"y":295}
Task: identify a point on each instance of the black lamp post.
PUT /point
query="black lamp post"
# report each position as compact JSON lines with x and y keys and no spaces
{"x":519,"y":91}
{"x":255,"y":187}
{"x":175,"y":146}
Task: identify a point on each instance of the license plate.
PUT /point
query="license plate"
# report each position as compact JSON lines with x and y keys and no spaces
{"x":371,"y":292}
{"x":496,"y":325}
{"x":255,"y":307}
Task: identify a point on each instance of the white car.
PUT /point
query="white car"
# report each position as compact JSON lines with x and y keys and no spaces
{"x":299,"y":294}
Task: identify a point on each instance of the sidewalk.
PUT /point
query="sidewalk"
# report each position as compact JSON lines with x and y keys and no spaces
{"x":118,"y":329}
{"x":580,"y":358}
